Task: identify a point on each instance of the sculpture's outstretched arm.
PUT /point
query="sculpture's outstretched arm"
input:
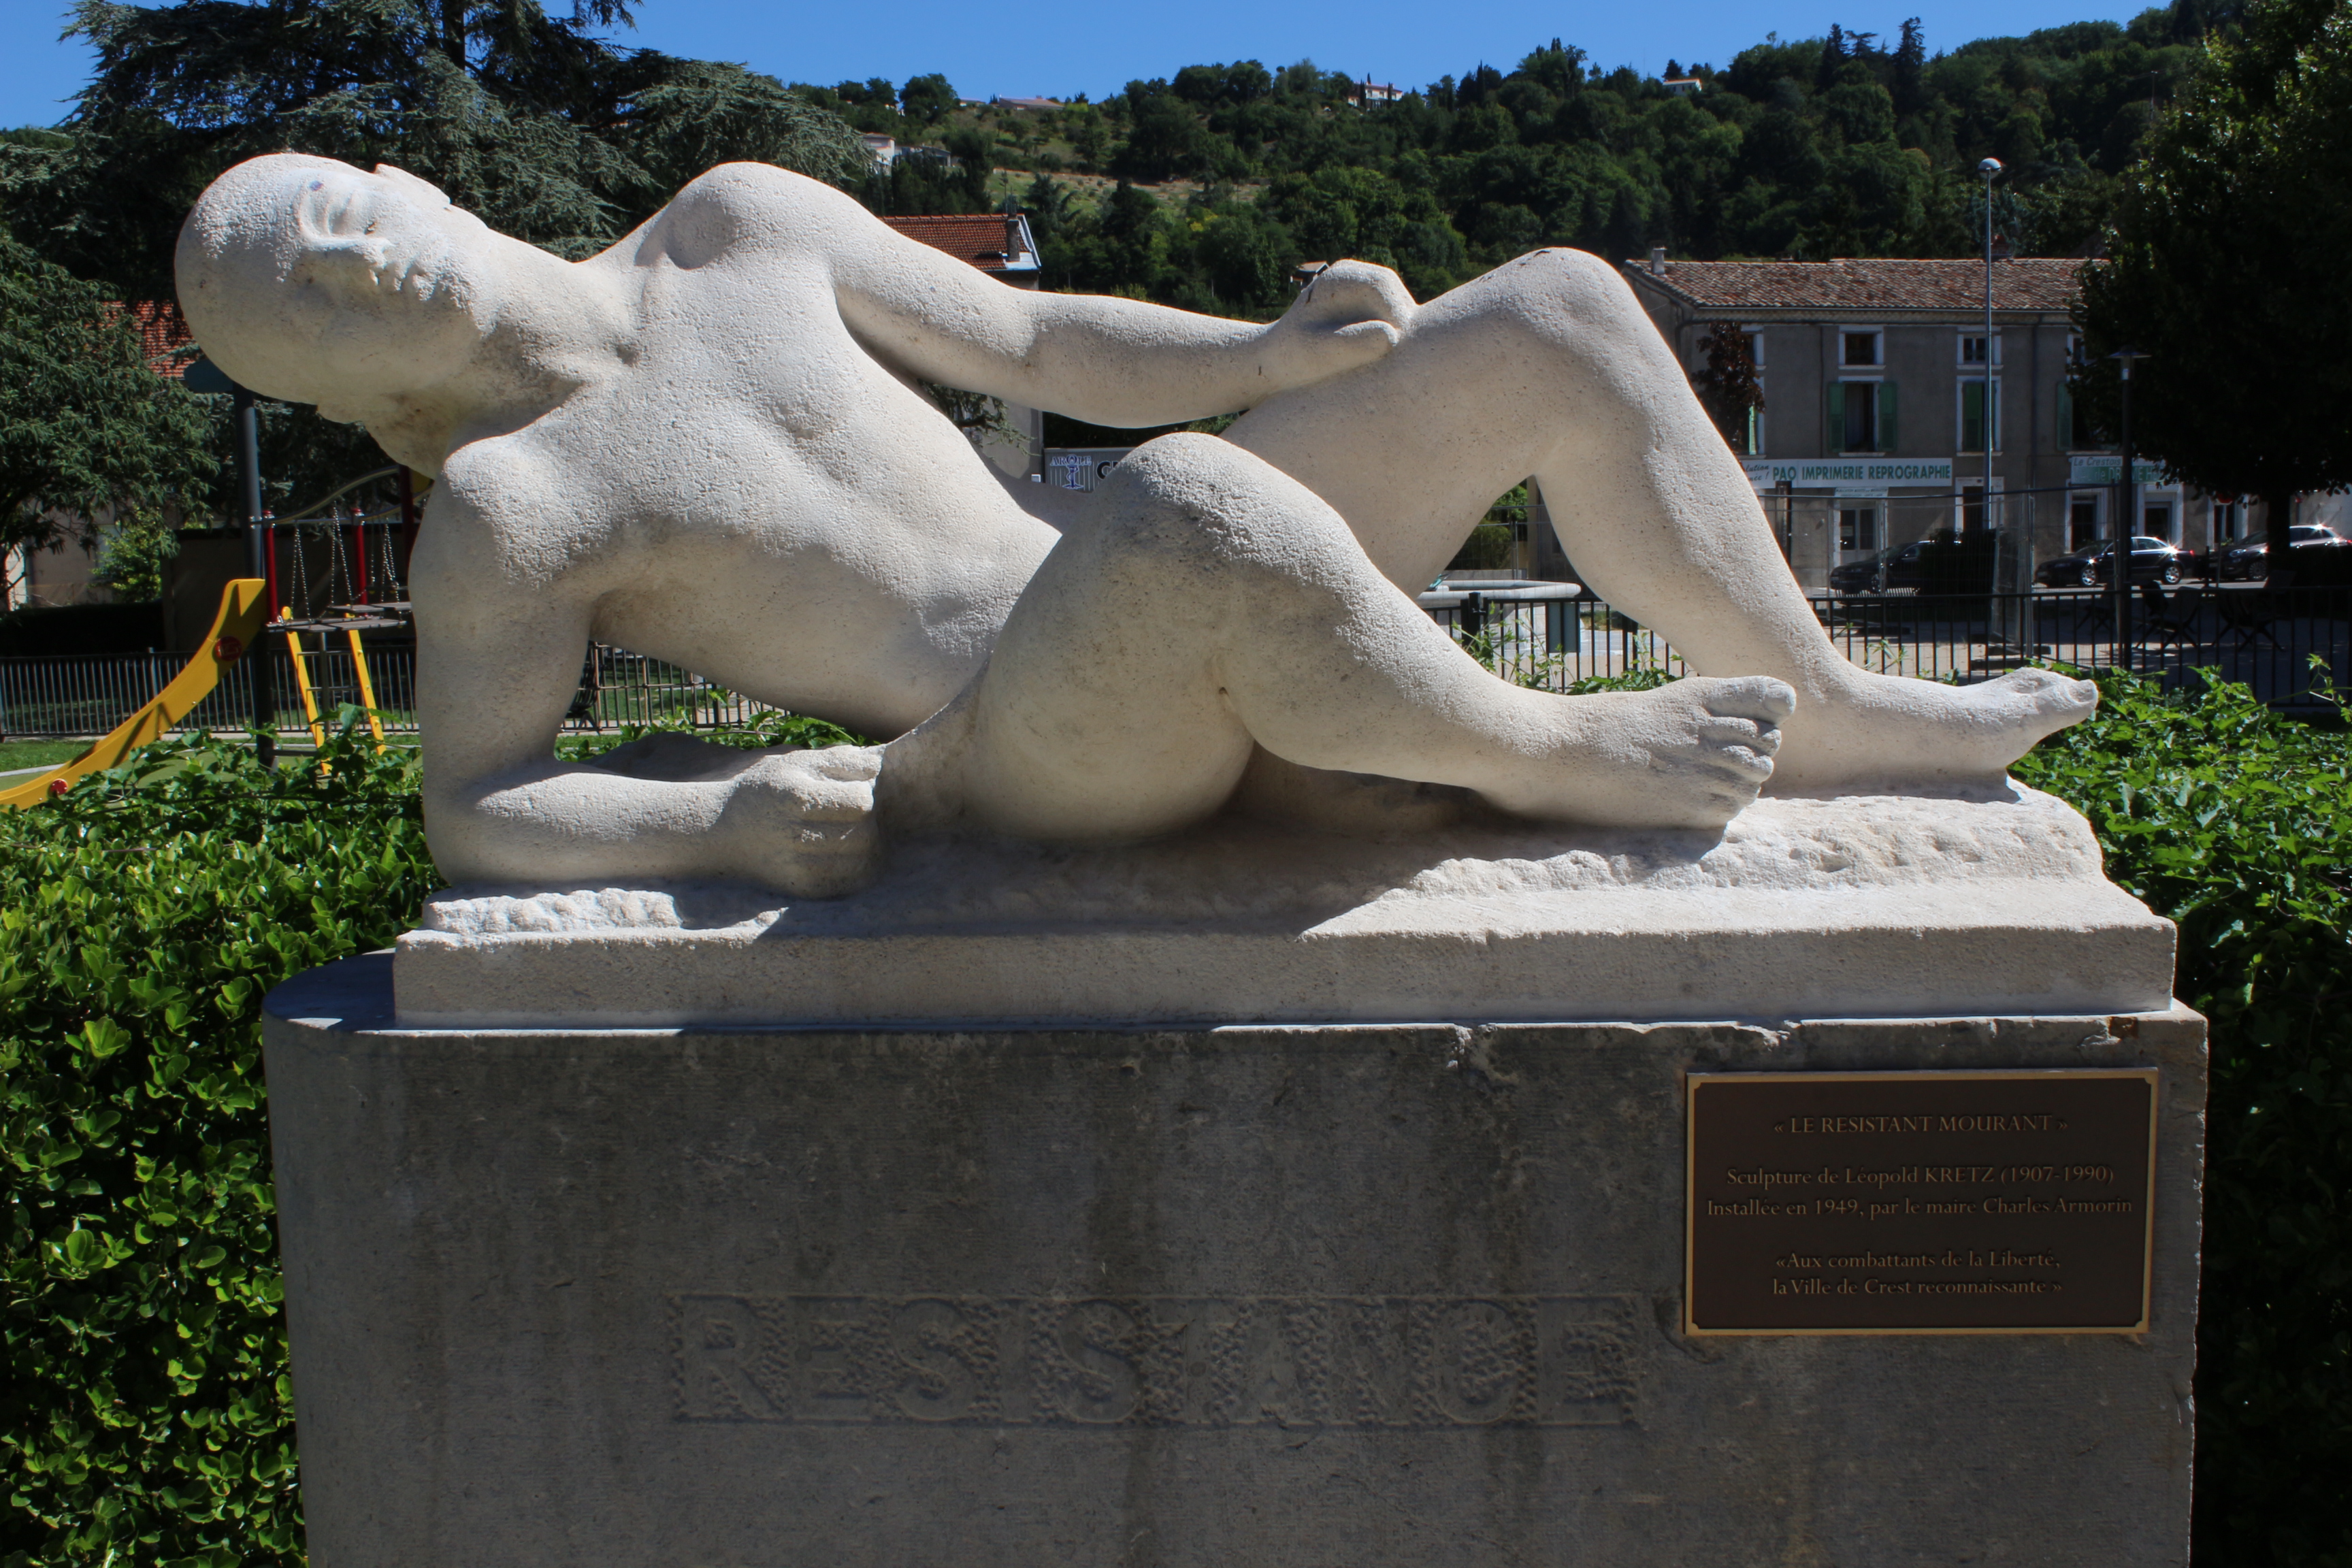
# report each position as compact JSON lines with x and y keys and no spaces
{"x":1108,"y":360}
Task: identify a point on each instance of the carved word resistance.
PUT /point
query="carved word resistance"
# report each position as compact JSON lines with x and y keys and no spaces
{"x":1291,"y":1360}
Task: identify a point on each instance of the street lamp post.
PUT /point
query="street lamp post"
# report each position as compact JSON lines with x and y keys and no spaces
{"x":2119,"y":551}
{"x":1990,"y":171}
{"x":257,"y":533}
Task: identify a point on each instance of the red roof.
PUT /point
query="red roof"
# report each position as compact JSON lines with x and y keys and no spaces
{"x":162,"y":331}
{"x":976,"y":237}
{"x":1866,"y":286}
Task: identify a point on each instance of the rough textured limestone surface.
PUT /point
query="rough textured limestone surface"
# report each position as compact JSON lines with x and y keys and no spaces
{"x":708,"y":444}
{"x":1985,"y":901}
{"x":1339,"y":1297}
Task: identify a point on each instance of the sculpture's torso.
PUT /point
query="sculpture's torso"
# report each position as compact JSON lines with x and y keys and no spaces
{"x":755,"y":495}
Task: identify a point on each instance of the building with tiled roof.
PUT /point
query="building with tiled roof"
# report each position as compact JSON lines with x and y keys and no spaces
{"x":1877,"y":375}
{"x":1879,"y":286}
{"x":998,"y":243}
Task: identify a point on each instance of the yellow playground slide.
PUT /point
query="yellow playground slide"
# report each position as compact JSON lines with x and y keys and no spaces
{"x":244,"y":611}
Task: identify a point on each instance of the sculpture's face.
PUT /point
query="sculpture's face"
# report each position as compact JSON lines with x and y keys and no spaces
{"x":314,"y":281}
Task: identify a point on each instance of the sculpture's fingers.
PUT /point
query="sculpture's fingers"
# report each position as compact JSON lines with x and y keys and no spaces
{"x":1753,"y":733}
{"x":1374,"y":337}
{"x":1750,"y":697}
{"x":1374,"y":289}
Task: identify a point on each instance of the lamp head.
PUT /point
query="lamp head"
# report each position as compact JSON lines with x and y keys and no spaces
{"x":1990,"y":169}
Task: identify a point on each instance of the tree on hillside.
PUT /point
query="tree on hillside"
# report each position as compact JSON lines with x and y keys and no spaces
{"x":2226,"y":266}
{"x":532,"y":122}
{"x":537,"y":125}
{"x":87,"y":427}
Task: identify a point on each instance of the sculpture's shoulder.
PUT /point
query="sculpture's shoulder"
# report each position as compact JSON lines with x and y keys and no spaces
{"x":737,"y":207}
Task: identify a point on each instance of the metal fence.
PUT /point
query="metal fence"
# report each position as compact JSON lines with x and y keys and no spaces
{"x":89,"y":694}
{"x":2266,"y":638}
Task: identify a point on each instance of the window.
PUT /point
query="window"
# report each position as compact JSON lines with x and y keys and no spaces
{"x":1973,"y":508}
{"x":2156,"y":519}
{"x":1972,"y":348}
{"x":2229,"y":520}
{"x":1861,"y":349}
{"x":2075,"y":432}
{"x":1756,"y":350}
{"x":1862,"y":415}
{"x":1972,"y":415}
{"x":2082,"y":522}
{"x":1858,"y":529}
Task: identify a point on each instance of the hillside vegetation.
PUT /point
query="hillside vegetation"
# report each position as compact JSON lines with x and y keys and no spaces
{"x":1855,"y":144}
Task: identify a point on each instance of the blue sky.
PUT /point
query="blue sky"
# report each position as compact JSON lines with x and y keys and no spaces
{"x":1057,"y":47}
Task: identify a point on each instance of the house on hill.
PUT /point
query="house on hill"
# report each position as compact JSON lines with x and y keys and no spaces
{"x":1876,"y":423}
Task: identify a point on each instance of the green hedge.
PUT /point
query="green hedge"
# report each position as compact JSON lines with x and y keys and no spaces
{"x":143,"y":1403}
{"x":143,"y":916}
{"x":2238,"y":825}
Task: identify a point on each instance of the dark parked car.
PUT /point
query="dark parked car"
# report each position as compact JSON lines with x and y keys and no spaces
{"x":1904,"y":566}
{"x":2250,"y":557}
{"x":2152,"y":561}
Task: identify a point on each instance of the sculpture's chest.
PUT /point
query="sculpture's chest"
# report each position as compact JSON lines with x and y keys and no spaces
{"x":721,"y":346}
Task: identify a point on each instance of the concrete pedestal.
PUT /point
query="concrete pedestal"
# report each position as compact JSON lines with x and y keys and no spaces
{"x":1341,"y":1295}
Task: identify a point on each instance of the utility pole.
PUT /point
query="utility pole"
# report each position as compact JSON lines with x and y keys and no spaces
{"x":256,"y":544}
{"x":1991,"y":170}
{"x":2119,"y":557}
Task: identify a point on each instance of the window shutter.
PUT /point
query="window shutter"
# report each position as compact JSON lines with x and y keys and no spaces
{"x":2065,"y":417}
{"x":1886,"y":417}
{"x":1837,"y":443}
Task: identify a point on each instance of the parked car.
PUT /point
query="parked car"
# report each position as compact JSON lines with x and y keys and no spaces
{"x":1903,"y":566}
{"x":2152,"y":561}
{"x":2250,"y":558}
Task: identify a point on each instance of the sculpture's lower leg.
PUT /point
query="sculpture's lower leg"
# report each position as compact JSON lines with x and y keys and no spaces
{"x":1547,"y":366}
{"x":1214,"y":603}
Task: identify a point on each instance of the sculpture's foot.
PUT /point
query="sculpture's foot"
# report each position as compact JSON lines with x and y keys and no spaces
{"x":1879,"y":732}
{"x":1691,"y":755}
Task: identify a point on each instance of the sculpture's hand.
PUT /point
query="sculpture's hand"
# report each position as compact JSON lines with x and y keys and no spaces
{"x":1350,"y":314}
{"x":803,"y":821}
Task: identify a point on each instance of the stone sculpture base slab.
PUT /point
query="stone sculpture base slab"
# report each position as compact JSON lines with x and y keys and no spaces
{"x":1992,"y":902}
{"x":1335,"y":1296}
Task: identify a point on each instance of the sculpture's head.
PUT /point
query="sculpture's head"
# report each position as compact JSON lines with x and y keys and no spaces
{"x":314,"y":281}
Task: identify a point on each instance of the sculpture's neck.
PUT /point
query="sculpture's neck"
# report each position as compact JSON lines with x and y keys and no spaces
{"x":554,"y":328}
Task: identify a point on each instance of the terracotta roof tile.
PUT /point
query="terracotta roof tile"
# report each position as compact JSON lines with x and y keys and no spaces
{"x":2019,"y":284}
{"x":976,"y":237}
{"x":161,"y":332}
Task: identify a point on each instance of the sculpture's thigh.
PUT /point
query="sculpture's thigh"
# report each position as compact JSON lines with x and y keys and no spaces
{"x":1413,"y":449}
{"x":1099,"y":715}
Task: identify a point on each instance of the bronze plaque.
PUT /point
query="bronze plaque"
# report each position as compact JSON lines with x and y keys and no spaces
{"x":1920,"y":1203}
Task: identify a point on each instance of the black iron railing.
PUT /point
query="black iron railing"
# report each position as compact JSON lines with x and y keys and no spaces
{"x":2267,"y":639}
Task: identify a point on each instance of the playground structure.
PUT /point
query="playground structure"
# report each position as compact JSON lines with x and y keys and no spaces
{"x":328,"y":579}
{"x":374,"y":597}
{"x":235,"y":629}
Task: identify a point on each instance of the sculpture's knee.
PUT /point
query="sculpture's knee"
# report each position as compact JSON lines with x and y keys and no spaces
{"x":1202,"y":499}
{"x":1572,"y":297}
